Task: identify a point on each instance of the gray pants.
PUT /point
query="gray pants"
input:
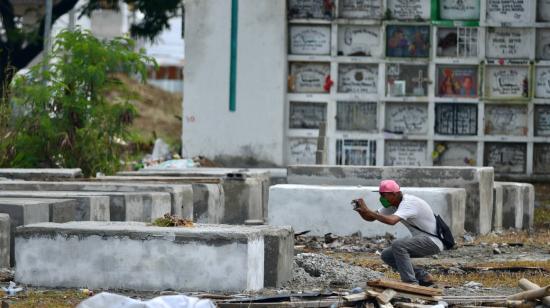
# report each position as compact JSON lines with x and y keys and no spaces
{"x":399,"y":255}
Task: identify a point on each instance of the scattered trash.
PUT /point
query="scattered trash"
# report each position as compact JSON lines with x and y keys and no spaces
{"x":497,"y":251}
{"x":161,"y":151}
{"x":356,"y":290}
{"x":455,"y":270}
{"x":87,"y":292}
{"x":468,"y":238}
{"x":11,"y":290}
{"x":473,"y":284}
{"x":177,"y":164}
{"x":106,"y":299}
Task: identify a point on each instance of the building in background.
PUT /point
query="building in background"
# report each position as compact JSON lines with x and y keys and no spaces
{"x":422,"y":82}
{"x":167,"y":49}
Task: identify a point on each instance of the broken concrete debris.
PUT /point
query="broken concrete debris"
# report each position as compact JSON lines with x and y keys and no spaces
{"x":321,"y":271}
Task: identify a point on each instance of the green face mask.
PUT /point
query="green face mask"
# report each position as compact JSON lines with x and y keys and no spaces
{"x":385,"y":202}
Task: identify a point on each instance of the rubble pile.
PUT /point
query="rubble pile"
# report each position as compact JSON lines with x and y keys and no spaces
{"x":354,"y":243}
{"x":310,"y":269}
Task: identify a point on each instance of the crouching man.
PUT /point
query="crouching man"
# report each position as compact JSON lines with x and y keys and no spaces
{"x":415,"y":214}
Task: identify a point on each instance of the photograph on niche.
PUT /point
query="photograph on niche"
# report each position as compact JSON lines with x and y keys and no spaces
{"x":407,"y":41}
{"x":457,"y":81}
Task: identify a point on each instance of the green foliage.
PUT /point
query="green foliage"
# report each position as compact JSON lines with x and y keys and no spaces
{"x":63,"y":118}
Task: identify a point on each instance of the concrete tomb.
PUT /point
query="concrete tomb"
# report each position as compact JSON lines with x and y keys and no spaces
{"x":518,"y":206}
{"x":135,"y":256}
{"x":59,"y":210}
{"x":127,"y":206}
{"x":181,"y":195}
{"x":328,"y":209}
{"x":5,"y":240}
{"x":478,"y":183}
{"x":40,"y":174}
{"x":498,"y":200}
{"x":89,"y":207}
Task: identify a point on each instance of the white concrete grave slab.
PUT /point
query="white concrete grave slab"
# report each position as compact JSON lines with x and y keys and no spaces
{"x":310,"y":40}
{"x":478,"y":182}
{"x":354,"y":40}
{"x":181,"y":195}
{"x":89,"y":207}
{"x":509,"y":43}
{"x":459,"y":9}
{"x":409,"y":10}
{"x":40,"y":174}
{"x":135,"y":256}
{"x":505,"y":12}
{"x":5,"y":250}
{"x":327,"y":209}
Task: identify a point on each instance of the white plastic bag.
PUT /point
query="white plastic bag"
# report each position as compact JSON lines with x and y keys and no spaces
{"x":107,"y":300}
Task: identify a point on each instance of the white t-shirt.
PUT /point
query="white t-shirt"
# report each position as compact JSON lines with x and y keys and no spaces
{"x":415,"y":211}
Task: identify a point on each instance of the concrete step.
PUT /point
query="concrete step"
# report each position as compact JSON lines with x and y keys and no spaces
{"x":135,"y":256}
{"x":328,"y":209}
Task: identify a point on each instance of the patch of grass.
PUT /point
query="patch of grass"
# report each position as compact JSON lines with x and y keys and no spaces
{"x":47,"y":299}
{"x":493,"y":279}
{"x":542,"y":217}
{"x":539,"y":238}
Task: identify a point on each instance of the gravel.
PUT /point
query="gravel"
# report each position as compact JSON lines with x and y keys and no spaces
{"x":316,"y":271}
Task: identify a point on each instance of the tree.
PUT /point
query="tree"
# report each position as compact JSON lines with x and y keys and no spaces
{"x":62,"y":116}
{"x":20,"y":42}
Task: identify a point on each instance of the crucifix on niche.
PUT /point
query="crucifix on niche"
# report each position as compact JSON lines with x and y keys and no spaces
{"x":418,"y":90}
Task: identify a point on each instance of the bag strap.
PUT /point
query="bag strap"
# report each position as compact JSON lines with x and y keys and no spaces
{"x":417,"y":228}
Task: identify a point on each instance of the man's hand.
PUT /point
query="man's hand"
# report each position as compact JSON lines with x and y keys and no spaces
{"x":364,"y":211}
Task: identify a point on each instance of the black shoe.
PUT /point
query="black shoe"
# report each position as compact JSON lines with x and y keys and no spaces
{"x":427,"y":281}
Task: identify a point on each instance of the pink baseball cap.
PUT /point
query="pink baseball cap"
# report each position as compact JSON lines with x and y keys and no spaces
{"x":388,"y":186}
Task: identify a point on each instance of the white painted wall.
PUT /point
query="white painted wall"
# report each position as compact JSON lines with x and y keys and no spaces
{"x":256,"y":127}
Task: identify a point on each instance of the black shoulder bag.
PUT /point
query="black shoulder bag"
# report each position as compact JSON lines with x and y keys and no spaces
{"x":443,"y":232}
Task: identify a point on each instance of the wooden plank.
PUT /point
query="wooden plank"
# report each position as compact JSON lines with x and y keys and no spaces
{"x":356,"y":297}
{"x":318,"y":303}
{"x":386,"y":296}
{"x":411,"y":305}
{"x":411,"y":296}
{"x":401,"y":286}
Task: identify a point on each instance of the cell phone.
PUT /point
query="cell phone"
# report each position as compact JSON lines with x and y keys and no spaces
{"x":355,"y":204}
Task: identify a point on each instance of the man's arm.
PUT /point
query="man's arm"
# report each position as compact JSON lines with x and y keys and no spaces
{"x":369,"y":215}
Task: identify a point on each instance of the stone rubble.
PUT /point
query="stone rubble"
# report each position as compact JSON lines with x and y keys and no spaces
{"x":314,"y":271}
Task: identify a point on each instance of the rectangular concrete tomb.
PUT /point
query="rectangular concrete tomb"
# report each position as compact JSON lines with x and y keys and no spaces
{"x":518,"y":205}
{"x":181,"y":195}
{"x":40,"y":174}
{"x":327,"y":209}
{"x":135,"y":256}
{"x":89,"y":207}
{"x":477,"y":181}
{"x":5,"y":240}
{"x":60,"y":210}
{"x":127,"y":206}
